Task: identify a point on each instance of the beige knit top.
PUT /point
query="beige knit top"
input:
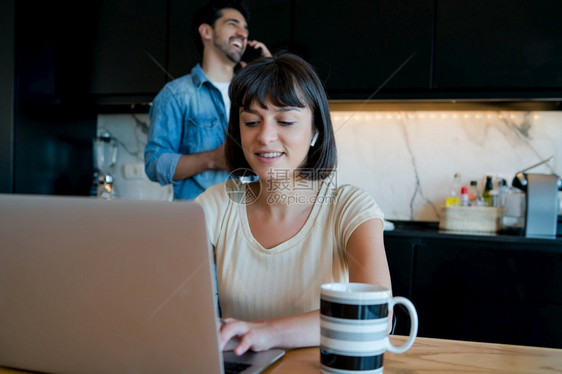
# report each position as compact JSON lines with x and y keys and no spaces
{"x":255,"y":283}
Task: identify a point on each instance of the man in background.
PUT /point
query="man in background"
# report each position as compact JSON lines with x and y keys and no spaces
{"x":188,"y":118}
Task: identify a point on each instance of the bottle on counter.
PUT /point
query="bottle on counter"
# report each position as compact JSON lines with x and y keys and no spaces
{"x":487,"y":195}
{"x":465,"y":198}
{"x":495,"y":197}
{"x":503,"y":192}
{"x":473,"y":193}
{"x":453,"y":198}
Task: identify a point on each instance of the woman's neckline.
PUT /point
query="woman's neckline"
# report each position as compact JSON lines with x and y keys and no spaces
{"x":297,"y":237}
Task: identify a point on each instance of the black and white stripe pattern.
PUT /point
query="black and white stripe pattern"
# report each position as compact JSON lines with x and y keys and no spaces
{"x":340,"y":364}
{"x":351,"y":311}
{"x":353,"y":328}
{"x":353,"y":336}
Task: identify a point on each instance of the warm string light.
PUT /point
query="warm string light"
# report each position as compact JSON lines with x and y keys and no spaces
{"x":362,"y":117}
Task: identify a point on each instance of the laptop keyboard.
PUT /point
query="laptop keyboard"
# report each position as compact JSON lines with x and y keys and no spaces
{"x":234,"y":367}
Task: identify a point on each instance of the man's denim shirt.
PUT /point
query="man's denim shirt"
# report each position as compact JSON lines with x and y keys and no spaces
{"x":188,"y":116}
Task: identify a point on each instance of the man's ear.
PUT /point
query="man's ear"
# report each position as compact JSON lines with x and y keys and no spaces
{"x":206,"y":31}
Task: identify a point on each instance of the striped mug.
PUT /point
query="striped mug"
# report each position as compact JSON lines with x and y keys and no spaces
{"x":354,"y":327}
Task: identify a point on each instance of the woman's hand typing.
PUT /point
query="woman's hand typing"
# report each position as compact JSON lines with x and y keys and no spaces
{"x":241,"y":336}
{"x":301,"y":330}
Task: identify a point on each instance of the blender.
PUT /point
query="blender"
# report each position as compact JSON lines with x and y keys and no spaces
{"x":105,"y":156}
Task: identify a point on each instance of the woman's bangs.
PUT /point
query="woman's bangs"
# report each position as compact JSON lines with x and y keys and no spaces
{"x":280,"y":90}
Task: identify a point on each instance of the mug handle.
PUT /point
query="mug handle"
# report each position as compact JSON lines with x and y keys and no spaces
{"x":413,"y":325}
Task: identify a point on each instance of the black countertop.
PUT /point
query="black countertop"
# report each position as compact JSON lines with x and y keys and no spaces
{"x":423,"y":229}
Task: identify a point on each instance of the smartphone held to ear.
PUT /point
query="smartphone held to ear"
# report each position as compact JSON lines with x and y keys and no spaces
{"x":251,"y":54}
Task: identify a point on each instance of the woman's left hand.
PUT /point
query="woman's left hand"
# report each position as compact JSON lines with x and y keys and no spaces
{"x":255,"y":336}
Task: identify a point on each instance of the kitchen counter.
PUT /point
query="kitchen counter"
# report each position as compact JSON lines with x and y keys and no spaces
{"x":431,"y":230}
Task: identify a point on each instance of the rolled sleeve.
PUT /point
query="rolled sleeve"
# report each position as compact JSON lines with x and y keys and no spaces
{"x":161,"y":153}
{"x":166,"y":168}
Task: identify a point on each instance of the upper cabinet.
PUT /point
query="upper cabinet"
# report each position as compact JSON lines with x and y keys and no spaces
{"x":79,"y":53}
{"x":129,"y":49}
{"x":366,"y":49}
{"x":500,"y":48}
{"x":53,"y":51}
{"x":124,"y":51}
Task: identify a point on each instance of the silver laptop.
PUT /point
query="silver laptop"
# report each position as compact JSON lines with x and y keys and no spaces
{"x":92,"y":286}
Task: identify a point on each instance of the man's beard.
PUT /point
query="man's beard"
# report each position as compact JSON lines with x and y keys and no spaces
{"x":234,"y":56}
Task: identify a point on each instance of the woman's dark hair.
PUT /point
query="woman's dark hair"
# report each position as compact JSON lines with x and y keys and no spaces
{"x":210,"y":13}
{"x":283,"y":80}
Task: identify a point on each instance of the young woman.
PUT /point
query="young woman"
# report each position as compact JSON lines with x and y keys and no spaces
{"x":278,"y":239}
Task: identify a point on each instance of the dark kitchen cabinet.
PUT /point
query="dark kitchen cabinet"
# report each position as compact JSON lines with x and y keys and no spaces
{"x":54,"y":52}
{"x":367,"y":49}
{"x":360,"y":49}
{"x":400,"y":257}
{"x":53,"y":124}
{"x":485,"y":291}
{"x":498,"y":289}
{"x":130,"y":48}
{"x":53,"y":152}
{"x":88,"y":52}
{"x":123,"y":51}
{"x":7,"y":64}
{"x":498,"y":48}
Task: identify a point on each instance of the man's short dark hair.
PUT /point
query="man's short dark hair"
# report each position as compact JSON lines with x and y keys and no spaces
{"x":209,"y":13}
{"x":283,"y":80}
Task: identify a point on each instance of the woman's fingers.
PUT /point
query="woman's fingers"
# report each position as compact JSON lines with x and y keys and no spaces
{"x":244,"y":345}
{"x":230,"y":330}
{"x":244,"y":336}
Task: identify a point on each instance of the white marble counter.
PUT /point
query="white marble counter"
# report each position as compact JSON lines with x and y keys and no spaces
{"x":405,"y":159}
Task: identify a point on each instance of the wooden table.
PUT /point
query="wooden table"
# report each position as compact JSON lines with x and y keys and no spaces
{"x":435,"y":356}
{"x":441,"y":356}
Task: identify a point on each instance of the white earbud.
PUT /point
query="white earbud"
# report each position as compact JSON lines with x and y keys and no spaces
{"x":313,"y":141}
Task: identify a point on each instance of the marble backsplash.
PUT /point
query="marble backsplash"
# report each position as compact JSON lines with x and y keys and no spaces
{"x":404,"y":159}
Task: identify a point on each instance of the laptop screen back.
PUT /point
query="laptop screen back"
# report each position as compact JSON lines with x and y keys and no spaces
{"x":95,"y":286}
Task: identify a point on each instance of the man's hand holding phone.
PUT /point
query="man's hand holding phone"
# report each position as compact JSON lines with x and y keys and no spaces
{"x":254,"y":49}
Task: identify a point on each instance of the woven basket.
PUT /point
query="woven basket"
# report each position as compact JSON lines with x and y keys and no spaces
{"x":470,"y":219}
